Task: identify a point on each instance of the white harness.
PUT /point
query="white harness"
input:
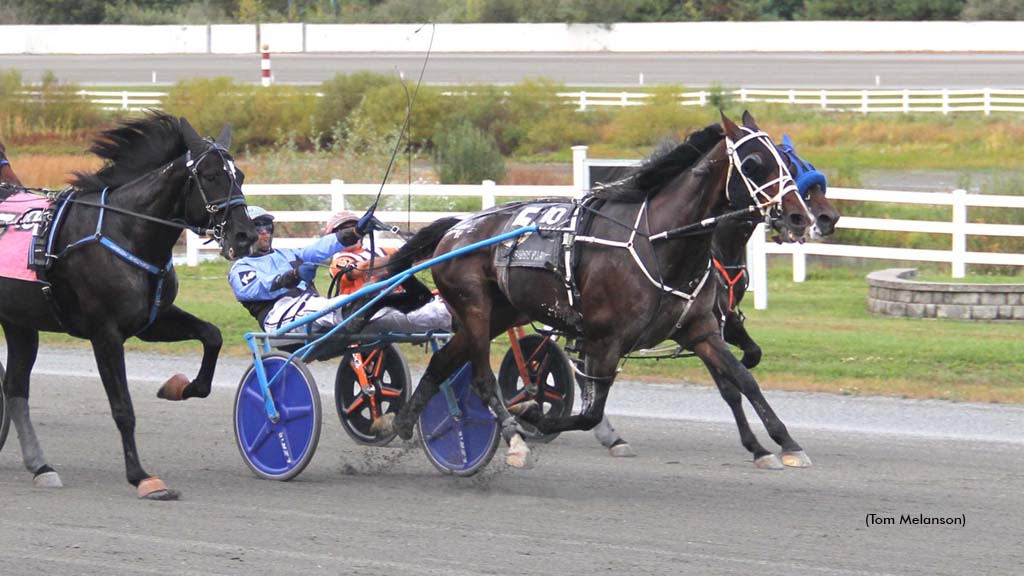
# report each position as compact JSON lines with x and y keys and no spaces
{"x":761,"y":196}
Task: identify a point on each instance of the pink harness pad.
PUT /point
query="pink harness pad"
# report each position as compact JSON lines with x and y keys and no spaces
{"x":20,"y":216}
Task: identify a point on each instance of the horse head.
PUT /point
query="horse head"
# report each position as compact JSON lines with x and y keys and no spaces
{"x":759,"y":177}
{"x":7,"y":175}
{"x":219,"y":204}
{"x":812,"y":185}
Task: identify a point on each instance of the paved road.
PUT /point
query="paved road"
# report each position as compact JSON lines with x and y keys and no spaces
{"x":804,"y":70}
{"x":690,"y":503}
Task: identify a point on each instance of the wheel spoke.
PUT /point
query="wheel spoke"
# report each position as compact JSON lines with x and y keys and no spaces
{"x":290,"y":413}
{"x":441,"y":429}
{"x":395,"y":392}
{"x":260,"y":438}
{"x":519,"y":397}
{"x":253,"y":393}
{"x":356,"y":404}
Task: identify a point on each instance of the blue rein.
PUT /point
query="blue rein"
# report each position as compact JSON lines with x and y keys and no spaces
{"x":98,"y":237}
{"x":803,"y":172}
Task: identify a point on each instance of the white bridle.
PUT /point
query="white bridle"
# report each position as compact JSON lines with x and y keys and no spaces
{"x":761,"y":195}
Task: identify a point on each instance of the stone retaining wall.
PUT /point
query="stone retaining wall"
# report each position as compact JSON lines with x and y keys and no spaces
{"x":893,"y":292}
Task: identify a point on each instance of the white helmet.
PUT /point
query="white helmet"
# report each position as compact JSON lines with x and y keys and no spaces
{"x":256,"y":212}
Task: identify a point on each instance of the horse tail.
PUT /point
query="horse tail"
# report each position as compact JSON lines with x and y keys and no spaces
{"x":421,"y":246}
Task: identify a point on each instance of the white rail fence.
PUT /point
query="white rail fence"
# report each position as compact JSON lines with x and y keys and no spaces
{"x":957,"y":227}
{"x":946,"y":101}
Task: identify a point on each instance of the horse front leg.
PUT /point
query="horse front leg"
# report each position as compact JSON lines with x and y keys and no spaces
{"x":176,"y":325}
{"x":22,"y":347}
{"x":734,"y":332}
{"x":108,"y":348}
{"x":731,"y":376}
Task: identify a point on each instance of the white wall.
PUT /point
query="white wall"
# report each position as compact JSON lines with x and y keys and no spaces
{"x":652,"y":37}
{"x":232,"y":39}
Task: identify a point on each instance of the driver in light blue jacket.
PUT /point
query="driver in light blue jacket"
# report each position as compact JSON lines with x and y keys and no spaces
{"x":276,"y":285}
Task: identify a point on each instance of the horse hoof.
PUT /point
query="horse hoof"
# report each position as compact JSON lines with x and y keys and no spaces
{"x":517,"y":409}
{"x":622,"y":450}
{"x":384,"y":426}
{"x":768,"y":462}
{"x":154,"y":488}
{"x":174,"y":388}
{"x":798,"y":459}
{"x":47,"y":480}
{"x":518,"y":455}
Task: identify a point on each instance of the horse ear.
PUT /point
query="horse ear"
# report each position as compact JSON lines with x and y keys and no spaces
{"x":786,"y":141}
{"x":731,"y":129}
{"x":193,"y":141}
{"x":748,"y":120}
{"x":225,"y":137}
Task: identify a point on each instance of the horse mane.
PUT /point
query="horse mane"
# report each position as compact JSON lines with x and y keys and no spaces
{"x":135,"y":147}
{"x":670,"y":159}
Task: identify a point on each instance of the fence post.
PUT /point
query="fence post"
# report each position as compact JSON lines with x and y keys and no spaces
{"x":959,"y":256}
{"x":703,"y":98}
{"x":487,"y":195}
{"x":191,"y":248}
{"x":583,"y":100}
{"x":987,"y":98}
{"x":743,"y":94}
{"x":757,"y":267}
{"x":124,"y":100}
{"x":580,"y":182}
{"x":337,"y":195}
{"x":906,"y":101}
{"x":799,"y":263}
{"x":945,"y":100}
{"x":864,"y":101}
{"x":824,"y":100}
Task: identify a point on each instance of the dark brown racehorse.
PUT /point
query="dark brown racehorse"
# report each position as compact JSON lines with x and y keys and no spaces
{"x":728,"y":250}
{"x":113,"y":280}
{"x":641,"y":278}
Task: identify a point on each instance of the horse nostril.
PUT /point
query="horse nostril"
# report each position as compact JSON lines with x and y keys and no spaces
{"x":797,"y":221}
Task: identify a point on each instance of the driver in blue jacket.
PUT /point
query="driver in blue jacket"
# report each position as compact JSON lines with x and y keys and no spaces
{"x":276,"y":285}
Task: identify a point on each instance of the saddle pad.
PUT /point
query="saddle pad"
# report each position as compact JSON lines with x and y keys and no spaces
{"x":535,"y":250}
{"x":20,"y":216}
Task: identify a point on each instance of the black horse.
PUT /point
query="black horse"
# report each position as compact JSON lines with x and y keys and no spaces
{"x":7,"y":175}
{"x":111,"y":276}
{"x":639,"y":276}
{"x":729,"y":255}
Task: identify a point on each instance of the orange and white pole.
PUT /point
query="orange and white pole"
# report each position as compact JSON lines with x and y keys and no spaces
{"x":266,"y":79}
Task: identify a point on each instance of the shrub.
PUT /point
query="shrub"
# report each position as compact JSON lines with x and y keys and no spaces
{"x":465,"y":155}
{"x":260,"y":116}
{"x":662,"y":117}
{"x":383,"y":112}
{"x":342,"y":95}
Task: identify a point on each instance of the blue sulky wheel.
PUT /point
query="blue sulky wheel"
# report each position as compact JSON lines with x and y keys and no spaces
{"x":457,"y":430}
{"x":278,"y":450}
{"x":5,"y":419}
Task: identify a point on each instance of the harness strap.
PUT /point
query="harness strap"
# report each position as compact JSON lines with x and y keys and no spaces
{"x":729,"y":282}
{"x":118,"y":250}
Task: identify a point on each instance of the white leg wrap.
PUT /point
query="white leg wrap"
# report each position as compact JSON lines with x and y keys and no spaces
{"x":31,"y":452}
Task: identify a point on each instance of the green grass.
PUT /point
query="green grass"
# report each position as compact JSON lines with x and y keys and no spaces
{"x":816,"y":336}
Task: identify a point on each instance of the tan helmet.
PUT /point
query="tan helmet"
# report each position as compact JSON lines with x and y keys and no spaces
{"x":340,"y":219}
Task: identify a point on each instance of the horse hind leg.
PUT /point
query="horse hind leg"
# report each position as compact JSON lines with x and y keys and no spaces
{"x":22,"y":347}
{"x":441,"y":366}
